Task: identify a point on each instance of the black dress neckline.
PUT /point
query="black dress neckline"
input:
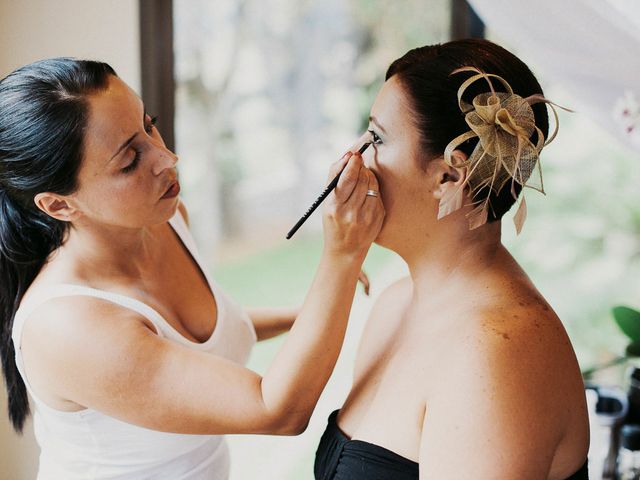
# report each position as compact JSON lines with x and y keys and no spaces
{"x":340,"y":458}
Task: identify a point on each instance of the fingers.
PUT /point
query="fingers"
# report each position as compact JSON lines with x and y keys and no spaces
{"x":351,"y":219}
{"x":337,"y":167}
{"x":372,"y":185}
{"x":359,"y":193}
{"x":363,"y":278}
{"x":351,"y":178}
{"x":365,"y":137}
{"x":372,"y":205}
{"x":373,"y":182}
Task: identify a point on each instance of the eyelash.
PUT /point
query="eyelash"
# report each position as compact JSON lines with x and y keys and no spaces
{"x":136,"y":158}
{"x":152,"y":124}
{"x":374,"y":136}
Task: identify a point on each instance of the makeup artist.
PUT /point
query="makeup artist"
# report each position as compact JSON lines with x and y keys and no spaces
{"x":132,"y":355}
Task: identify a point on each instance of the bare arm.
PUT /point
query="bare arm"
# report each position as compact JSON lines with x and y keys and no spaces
{"x":104,"y":357}
{"x":270,"y":322}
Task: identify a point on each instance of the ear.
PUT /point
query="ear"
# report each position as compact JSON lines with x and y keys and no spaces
{"x":56,"y":206}
{"x":450,"y":180}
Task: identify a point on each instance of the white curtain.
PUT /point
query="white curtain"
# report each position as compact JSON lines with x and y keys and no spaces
{"x":590,"y":47}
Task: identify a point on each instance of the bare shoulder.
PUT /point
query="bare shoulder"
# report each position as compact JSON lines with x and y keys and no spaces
{"x":525,"y":327}
{"x":382,"y":322}
{"x":398,"y":292}
{"x":66,"y":340}
{"x":513,"y":391}
{"x":65,"y":317}
{"x":520,"y":337}
{"x":183,"y":211}
{"x":389,"y":305}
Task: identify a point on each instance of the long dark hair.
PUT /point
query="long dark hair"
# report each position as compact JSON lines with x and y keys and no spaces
{"x":43,"y":116}
{"x":425,"y":75}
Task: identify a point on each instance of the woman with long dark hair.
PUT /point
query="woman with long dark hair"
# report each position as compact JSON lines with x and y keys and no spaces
{"x":132,"y":354}
{"x":463,"y":371}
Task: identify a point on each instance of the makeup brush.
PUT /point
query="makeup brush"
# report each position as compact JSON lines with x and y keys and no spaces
{"x":322,"y":196}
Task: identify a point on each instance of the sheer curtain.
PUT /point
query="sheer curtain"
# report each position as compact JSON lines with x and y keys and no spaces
{"x":591,"y":47}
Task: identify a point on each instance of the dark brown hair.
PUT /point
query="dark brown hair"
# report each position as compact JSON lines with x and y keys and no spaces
{"x":43,"y":117}
{"x":425,"y":75}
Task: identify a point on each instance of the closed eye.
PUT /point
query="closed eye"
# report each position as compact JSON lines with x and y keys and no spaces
{"x":134,"y":163}
{"x":148,"y":127}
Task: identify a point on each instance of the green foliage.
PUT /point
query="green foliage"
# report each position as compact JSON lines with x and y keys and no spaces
{"x":628,"y":320}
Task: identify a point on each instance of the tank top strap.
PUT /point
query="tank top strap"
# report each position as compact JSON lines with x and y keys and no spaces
{"x":68,"y":290}
{"x":181,"y":228}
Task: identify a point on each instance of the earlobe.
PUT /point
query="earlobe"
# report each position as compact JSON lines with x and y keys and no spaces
{"x":451,"y":188}
{"x":56,"y":207}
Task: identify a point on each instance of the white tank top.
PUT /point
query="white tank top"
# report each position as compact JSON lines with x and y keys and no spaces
{"x":88,"y":445}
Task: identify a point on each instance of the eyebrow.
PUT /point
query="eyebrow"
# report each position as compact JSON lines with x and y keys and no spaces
{"x":130,"y":139}
{"x":373,"y":120}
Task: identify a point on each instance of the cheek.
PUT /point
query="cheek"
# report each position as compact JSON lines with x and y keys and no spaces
{"x":394,"y":173}
{"x":118,"y":199}
{"x":404,"y":190}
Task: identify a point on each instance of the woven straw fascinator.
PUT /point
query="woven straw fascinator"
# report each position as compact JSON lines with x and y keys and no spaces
{"x":504,"y":123}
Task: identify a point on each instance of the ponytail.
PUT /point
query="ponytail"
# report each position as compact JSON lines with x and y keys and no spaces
{"x":25,"y":244}
{"x":43,"y":115}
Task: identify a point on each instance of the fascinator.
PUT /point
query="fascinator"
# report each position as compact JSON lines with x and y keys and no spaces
{"x":504,"y":124}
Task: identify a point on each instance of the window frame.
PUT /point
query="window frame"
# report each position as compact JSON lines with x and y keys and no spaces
{"x":157,"y":64}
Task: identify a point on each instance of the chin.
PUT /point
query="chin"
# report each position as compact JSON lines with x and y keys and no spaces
{"x":170,"y":208}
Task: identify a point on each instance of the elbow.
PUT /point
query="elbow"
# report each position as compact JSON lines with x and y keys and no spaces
{"x":297,"y":428}
{"x":289,"y":423}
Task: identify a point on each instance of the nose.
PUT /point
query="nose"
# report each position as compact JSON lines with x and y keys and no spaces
{"x":165,"y":159}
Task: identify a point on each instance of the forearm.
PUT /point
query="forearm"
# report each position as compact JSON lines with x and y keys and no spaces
{"x":270,"y":322}
{"x":300,"y":371}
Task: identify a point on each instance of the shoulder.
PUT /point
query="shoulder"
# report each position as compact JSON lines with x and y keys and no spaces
{"x":63,"y":327}
{"x":66,"y":340}
{"x":512,"y":363}
{"x":183,"y":211}
{"x":397,"y":291}
{"x":512,"y":343}
{"x":389,"y":305}
{"x":78,"y":319}
{"x":506,"y":392}
{"x":382,"y":321}
{"x":523,"y":329}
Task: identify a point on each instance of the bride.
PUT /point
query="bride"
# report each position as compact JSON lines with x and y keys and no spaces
{"x":464,"y":371}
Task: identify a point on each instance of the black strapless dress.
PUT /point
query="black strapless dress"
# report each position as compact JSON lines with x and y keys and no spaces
{"x":339,"y":458}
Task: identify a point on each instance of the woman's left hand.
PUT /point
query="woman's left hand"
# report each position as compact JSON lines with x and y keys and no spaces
{"x":363,"y":278}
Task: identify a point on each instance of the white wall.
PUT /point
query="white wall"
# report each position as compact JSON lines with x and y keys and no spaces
{"x":30,"y":30}
{"x":105,"y":30}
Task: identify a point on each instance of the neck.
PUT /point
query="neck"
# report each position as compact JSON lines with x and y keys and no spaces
{"x":112,"y":251}
{"x":450,"y":255}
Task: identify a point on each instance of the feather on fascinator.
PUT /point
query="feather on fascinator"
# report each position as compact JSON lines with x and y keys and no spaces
{"x":504,"y":123}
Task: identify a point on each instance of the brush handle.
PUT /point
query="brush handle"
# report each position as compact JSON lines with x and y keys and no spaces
{"x":315,"y":204}
{"x":333,"y":184}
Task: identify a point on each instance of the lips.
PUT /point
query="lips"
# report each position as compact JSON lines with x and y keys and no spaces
{"x":172,"y":191}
